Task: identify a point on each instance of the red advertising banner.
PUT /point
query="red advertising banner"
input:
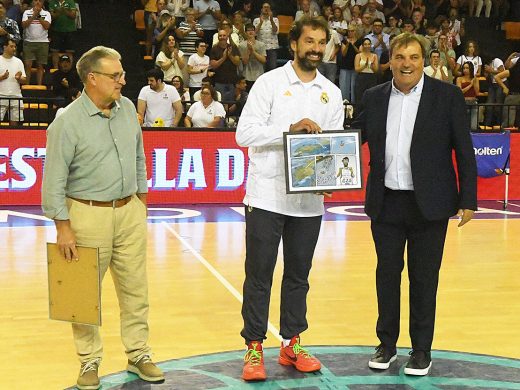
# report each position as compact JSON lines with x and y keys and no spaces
{"x":184,"y":167}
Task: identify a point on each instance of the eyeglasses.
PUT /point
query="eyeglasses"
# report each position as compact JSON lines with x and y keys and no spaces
{"x":114,"y":76}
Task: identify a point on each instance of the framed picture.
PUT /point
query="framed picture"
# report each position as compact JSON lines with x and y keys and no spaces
{"x":325,"y":162}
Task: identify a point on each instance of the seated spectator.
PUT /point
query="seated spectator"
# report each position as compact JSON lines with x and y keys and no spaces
{"x":436,"y":69}
{"x":159,"y":104}
{"x":74,"y":94}
{"x":206,"y":82}
{"x":9,"y":26}
{"x":469,"y":85}
{"x":165,"y":27}
{"x":170,"y":59}
{"x":12,"y":75}
{"x":63,"y":29}
{"x":253,"y":55}
{"x":240,"y":98}
{"x":207,"y":112}
{"x":36,"y":23}
{"x":65,"y":78}
{"x":198,"y":65}
{"x":184,"y":92}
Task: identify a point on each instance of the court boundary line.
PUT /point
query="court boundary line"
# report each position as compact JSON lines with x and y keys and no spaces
{"x":270,"y":327}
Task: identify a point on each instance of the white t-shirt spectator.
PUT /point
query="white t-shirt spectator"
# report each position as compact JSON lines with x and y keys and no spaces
{"x":334,"y":41}
{"x":35,"y":31}
{"x":428,"y":71}
{"x":495,"y":64}
{"x":476,"y":60}
{"x":173,"y":70}
{"x":266,"y":34}
{"x":196,"y":96}
{"x":197,"y":62}
{"x":202,"y":116}
{"x":10,"y":86}
{"x":159,"y":105}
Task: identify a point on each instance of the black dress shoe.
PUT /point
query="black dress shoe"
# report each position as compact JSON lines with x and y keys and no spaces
{"x":419,"y":363}
{"x":383,"y":357}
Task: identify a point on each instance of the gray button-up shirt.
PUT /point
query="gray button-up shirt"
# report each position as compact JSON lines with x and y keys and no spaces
{"x":92,"y":156}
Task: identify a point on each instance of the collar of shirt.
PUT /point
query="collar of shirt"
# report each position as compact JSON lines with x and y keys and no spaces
{"x":415,"y":90}
{"x":92,"y":109}
{"x":293,"y":77}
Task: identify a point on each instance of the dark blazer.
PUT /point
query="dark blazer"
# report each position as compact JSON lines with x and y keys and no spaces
{"x":441,"y":126}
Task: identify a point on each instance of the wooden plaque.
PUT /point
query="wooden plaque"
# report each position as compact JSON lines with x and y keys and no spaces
{"x":75,"y":286}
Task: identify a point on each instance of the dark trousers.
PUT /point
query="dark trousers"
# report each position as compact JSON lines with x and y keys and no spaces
{"x":493,"y":114}
{"x":264,"y":230}
{"x":401,"y":223}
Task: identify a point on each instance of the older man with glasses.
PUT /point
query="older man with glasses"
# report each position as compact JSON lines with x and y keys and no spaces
{"x":94,"y":188}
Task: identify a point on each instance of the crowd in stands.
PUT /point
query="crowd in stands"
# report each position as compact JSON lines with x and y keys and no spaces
{"x":232,"y":42}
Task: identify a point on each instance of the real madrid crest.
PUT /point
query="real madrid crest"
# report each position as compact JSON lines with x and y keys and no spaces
{"x":324,"y":98}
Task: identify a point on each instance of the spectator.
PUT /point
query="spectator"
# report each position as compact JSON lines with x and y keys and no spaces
{"x":226,"y":7}
{"x":432,"y":37}
{"x":408,"y":26}
{"x":356,"y":15}
{"x":380,"y":40}
{"x":267,"y":27}
{"x":206,"y":82}
{"x":344,"y":7}
{"x":228,"y":27}
{"x":165,"y":27}
{"x":177,"y":9}
{"x":347,"y":73}
{"x":392,"y":29}
{"x":239,"y":27}
{"x":306,"y":10}
{"x":470,"y":55}
{"x":12,"y":75}
{"x":245,"y":9}
{"x":170,"y":59}
{"x":374,"y":12}
{"x":495,"y":93}
{"x":184,"y":92}
{"x":207,"y":112}
{"x":456,"y":27}
{"x":436,"y":69}
{"x":365,"y":27}
{"x":8,"y":27}
{"x":366,"y":66}
{"x":63,"y":29}
{"x":224,"y":60}
{"x":150,"y":21}
{"x":313,"y":5}
{"x":188,"y":33}
{"x":447,"y":55}
{"x":511,"y":91}
{"x":338,"y":22}
{"x":469,"y":85}
{"x":254,"y":56}
{"x":159,"y":104}
{"x":240,"y":98}
{"x":64,"y":79}
{"x":74,"y":93}
{"x":198,"y":65}
{"x":328,"y":66}
{"x":208,"y":13}
{"x":36,"y":23}
{"x":419,"y":22}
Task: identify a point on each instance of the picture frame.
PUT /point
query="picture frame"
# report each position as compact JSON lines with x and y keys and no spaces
{"x":325,"y":162}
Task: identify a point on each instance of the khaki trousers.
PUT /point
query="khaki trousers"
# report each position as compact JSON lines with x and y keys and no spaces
{"x":120,"y":234}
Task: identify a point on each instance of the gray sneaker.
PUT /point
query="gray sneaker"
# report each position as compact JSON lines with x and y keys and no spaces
{"x":145,"y":369}
{"x":88,"y":375}
{"x":383,"y":357}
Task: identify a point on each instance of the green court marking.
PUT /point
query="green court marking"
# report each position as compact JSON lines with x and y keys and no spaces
{"x":326,"y":379}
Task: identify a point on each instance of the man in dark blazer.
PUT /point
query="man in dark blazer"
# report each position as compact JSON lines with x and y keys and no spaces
{"x":412,"y":125}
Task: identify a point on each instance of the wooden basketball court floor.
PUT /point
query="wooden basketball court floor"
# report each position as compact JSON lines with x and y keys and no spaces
{"x":195,"y":271}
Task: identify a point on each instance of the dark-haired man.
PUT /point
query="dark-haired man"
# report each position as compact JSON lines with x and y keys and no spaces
{"x":412,"y":191}
{"x":292,"y":98}
{"x":12,"y":76}
{"x":65,"y":78}
{"x":159,"y":104}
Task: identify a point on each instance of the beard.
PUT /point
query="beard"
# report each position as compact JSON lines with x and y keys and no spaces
{"x":307,"y":64}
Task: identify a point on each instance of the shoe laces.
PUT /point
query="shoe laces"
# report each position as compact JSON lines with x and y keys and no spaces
{"x":90,"y":365}
{"x":253,"y":357}
{"x":144,"y":359}
{"x":299,"y":350}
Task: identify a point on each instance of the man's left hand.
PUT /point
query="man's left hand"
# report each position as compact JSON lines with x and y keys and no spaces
{"x":465,"y":216}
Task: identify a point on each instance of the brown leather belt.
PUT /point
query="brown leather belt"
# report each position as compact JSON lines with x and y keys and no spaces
{"x":116,"y":203}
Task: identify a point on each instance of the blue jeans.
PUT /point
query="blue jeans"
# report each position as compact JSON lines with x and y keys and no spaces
{"x":227,"y":91}
{"x":347,"y":84}
{"x":271,"y":60}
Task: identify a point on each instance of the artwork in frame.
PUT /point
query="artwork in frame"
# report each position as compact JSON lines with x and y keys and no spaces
{"x":325,"y":162}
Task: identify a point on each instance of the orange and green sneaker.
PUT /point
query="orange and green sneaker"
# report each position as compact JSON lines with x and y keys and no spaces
{"x":254,"y":369}
{"x":295,"y":355}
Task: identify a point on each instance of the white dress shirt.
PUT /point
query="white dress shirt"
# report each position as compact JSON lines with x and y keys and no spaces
{"x":400,"y":121}
{"x":277,"y":100}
